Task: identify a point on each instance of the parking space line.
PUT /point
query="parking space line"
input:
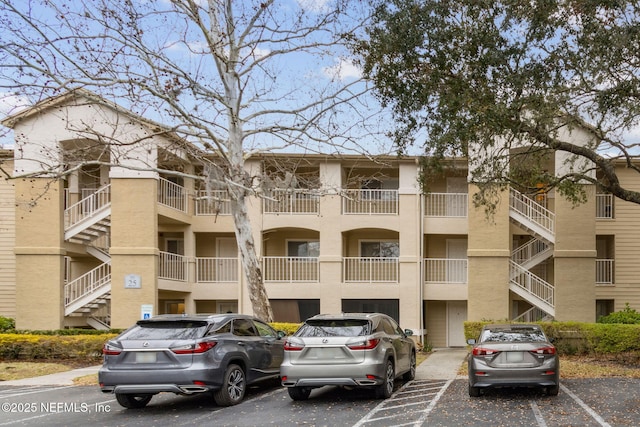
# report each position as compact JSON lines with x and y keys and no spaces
{"x":538,"y":414}
{"x":415,"y":386}
{"x":432,"y":405}
{"x":586,"y":407}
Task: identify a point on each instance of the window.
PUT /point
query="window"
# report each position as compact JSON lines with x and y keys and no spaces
{"x":380,"y":249}
{"x":604,"y":307}
{"x":303,"y":248}
{"x":265,"y":330}
{"x":244,"y":328}
{"x":174,"y":246}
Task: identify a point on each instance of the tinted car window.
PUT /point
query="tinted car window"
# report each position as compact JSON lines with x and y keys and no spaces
{"x":169,"y":330}
{"x":224,"y":329}
{"x":509,"y":335}
{"x":244,"y":328}
{"x":264,"y":330}
{"x":388,"y":327}
{"x":334,"y":328}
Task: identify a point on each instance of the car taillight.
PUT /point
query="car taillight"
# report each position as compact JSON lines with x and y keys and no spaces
{"x":482,"y":351}
{"x":545,"y":350}
{"x":365,"y":345}
{"x":111,"y":350}
{"x":200,"y":347}
{"x":289,"y":346}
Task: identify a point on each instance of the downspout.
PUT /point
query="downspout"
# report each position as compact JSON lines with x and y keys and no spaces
{"x":421,"y":273}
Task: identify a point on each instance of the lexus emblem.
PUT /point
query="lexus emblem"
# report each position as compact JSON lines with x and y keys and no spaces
{"x":324,"y":340}
{"x":145,"y":344}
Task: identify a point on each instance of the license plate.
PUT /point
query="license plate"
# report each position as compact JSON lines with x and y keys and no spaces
{"x":515,"y":356}
{"x":146,"y":357}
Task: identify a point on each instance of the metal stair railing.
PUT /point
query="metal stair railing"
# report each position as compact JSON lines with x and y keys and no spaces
{"x":532,"y":288}
{"x":534,"y":314}
{"x":87,"y":207}
{"x":87,"y":284}
{"x":541,"y":217}
{"x":529,"y":251}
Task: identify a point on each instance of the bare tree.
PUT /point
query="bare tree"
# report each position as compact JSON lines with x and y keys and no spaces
{"x":233,"y":78}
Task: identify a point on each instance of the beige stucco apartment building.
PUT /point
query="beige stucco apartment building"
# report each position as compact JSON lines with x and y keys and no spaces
{"x":107,"y":245}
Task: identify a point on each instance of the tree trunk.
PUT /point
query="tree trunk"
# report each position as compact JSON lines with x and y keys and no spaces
{"x":250,"y":262}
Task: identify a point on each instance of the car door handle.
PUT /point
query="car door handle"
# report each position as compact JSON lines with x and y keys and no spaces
{"x":241,"y":343}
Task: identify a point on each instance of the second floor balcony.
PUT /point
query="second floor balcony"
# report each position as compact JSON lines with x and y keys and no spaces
{"x":445,"y":270}
{"x":370,"y":202}
{"x":446,"y":205}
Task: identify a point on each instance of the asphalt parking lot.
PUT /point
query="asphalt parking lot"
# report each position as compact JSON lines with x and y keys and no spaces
{"x":437,"y":397}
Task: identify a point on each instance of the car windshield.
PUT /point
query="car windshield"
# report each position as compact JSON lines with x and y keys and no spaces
{"x":511,"y":335}
{"x":169,"y":330}
{"x":334,"y":328}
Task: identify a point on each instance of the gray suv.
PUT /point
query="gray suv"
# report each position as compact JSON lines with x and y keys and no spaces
{"x":188,"y":354}
{"x":347,"y":349}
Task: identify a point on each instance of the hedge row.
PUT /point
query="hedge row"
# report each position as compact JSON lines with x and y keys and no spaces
{"x":51,"y":347}
{"x":69,"y":344}
{"x":581,"y":338}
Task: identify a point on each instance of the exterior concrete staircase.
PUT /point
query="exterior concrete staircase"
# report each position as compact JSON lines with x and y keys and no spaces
{"x":88,"y":222}
{"x":539,"y":222}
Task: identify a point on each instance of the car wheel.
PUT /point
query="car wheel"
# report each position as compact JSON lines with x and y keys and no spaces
{"x":233,"y":387}
{"x":133,"y":401}
{"x":474,"y":391}
{"x":299,"y":393}
{"x":410,"y":375}
{"x":384,"y":390}
{"x":553,"y":390}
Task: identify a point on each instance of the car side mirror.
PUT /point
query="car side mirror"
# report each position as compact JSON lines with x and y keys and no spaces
{"x":471,"y":341}
{"x":281,"y":334}
{"x":408,"y":332}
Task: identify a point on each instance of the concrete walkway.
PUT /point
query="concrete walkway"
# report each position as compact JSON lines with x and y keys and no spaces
{"x":442,"y":364}
{"x":61,"y":378}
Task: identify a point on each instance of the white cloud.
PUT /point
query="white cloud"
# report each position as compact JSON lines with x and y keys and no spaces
{"x":343,"y":69}
{"x":315,"y":6}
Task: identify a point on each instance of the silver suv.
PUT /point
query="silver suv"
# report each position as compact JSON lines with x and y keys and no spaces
{"x":185,"y":355}
{"x":348,"y":349}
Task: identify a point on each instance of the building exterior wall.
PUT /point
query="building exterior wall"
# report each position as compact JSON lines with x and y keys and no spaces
{"x":421,"y":283}
{"x":7,"y":241}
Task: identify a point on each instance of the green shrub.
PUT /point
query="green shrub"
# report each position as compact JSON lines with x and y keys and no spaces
{"x":627,"y":315}
{"x":582,"y":338}
{"x":85,"y":348}
{"x":7,"y":324}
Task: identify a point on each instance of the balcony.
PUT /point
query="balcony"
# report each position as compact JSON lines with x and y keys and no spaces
{"x":291,"y":269}
{"x":173,"y":267}
{"x":604,"y":206}
{"x":214,"y":202}
{"x":172,"y":195}
{"x":216,"y":269}
{"x":291,"y":202}
{"x":370,"y":202}
{"x":370,"y":270}
{"x":446,"y":205}
{"x":604,"y":272}
{"x":444,"y":270}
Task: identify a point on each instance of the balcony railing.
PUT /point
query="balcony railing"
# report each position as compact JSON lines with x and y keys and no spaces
{"x":215,"y":202}
{"x":448,"y":205}
{"x":173,"y":267}
{"x":604,"y":206}
{"x":291,"y":269}
{"x":370,"y":270}
{"x":216,"y":270}
{"x":445,"y":270}
{"x":370,"y":202}
{"x":172,"y":195}
{"x":604,"y":271}
{"x":281,"y":201}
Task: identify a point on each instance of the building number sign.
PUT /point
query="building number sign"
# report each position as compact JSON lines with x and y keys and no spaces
{"x":132,"y":281}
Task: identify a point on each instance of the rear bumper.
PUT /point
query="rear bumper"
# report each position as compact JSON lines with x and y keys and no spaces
{"x":180,"y":381}
{"x":355,"y":375}
{"x":546,"y":375}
